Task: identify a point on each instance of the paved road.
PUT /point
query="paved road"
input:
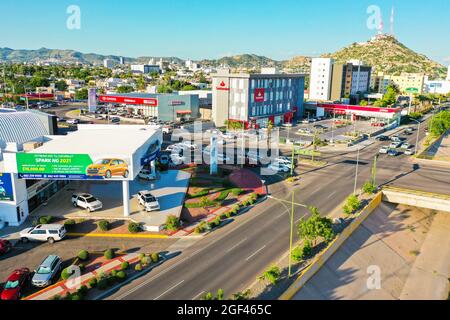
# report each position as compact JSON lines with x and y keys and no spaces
{"x":232,"y":257}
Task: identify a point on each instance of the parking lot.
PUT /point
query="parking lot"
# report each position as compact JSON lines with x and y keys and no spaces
{"x":30,"y":255}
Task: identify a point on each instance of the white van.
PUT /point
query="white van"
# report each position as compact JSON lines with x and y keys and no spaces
{"x":44,"y":232}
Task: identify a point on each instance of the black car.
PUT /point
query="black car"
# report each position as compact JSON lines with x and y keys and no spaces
{"x":382,"y":138}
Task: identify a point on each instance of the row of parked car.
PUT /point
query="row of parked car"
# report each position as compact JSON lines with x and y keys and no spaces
{"x":44,"y":275}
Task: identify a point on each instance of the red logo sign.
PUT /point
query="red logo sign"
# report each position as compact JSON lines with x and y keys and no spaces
{"x":222,"y":86}
{"x":259,"y":95}
{"x":129,"y":100}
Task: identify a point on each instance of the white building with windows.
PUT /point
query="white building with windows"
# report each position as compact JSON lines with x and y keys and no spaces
{"x":320,"y":81}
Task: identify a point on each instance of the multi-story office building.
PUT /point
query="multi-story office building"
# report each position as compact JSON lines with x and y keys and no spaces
{"x":256,"y":99}
{"x":145,"y":68}
{"x":334,"y":81}
{"x":108,"y":63}
{"x":414,"y":81}
{"x":320,"y":81}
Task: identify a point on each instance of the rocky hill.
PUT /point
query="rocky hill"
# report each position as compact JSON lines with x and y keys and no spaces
{"x":389,"y":55}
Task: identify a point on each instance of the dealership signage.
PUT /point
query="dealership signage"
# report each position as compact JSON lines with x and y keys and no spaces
{"x":6,"y":187}
{"x":72,"y":166}
{"x":129,"y":100}
{"x":259,"y":95}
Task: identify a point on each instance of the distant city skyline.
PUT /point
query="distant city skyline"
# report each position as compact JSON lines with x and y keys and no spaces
{"x":213,"y":29}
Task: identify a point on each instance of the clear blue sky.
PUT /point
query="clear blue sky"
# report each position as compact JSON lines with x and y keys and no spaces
{"x":197,"y":29}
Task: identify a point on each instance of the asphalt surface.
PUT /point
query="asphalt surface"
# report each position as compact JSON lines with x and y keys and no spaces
{"x":232,"y":257}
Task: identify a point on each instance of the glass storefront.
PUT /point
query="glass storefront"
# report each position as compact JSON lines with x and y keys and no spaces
{"x":44,"y":193}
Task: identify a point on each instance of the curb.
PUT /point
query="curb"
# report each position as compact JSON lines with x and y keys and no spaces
{"x":118,"y":235}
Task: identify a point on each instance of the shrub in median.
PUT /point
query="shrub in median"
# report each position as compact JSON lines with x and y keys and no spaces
{"x":121,"y":275}
{"x":124,"y":265}
{"x":65,"y":274}
{"x":83,"y":255}
{"x":369,"y":188}
{"x":82,"y":291}
{"x":155,"y":257}
{"x":138,"y":267}
{"x":75,"y":297}
{"x":272,"y":275}
{"x":297,"y":254}
{"x":145,"y":261}
{"x":134,"y":227}
{"x":352,"y":204}
{"x":102,"y":284}
{"x":104,"y":225}
{"x":109,"y":254}
{"x":92,"y":283}
{"x":237,"y":191}
{"x":307,"y":249}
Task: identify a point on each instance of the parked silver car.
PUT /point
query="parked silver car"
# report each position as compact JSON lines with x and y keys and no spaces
{"x":47,"y":271}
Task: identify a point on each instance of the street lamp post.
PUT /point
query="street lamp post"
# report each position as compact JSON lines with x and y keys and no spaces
{"x":356,"y":174}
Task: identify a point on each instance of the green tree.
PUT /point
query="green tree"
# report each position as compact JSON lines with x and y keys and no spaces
{"x":61,"y":85}
{"x":124,"y":89}
{"x":315,"y":227}
{"x":172,"y":223}
{"x":81,"y":94}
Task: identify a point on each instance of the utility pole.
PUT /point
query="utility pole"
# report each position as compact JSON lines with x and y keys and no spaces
{"x":292,"y":159}
{"x":291,"y":235}
{"x":356,"y":174}
{"x":374,"y":170}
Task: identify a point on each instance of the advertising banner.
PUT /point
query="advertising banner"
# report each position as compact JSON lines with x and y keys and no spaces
{"x":73,"y":166}
{"x":129,"y":100}
{"x":92,"y":99}
{"x":259,"y":95}
{"x":6,"y":188}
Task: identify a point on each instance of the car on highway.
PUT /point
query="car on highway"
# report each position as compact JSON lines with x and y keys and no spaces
{"x":148,"y":201}
{"x":305,"y":131}
{"x":306,"y":121}
{"x":395,"y":145}
{"x":383,"y":150}
{"x":405,"y":145}
{"x":393,"y":153}
{"x":287,"y":124}
{"x":283,"y":160}
{"x":410,"y":129}
{"x":382,"y":138}
{"x":43,"y":232}
{"x":146,"y":174}
{"x":177,"y":147}
{"x":86,"y":201}
{"x":15,"y":283}
{"x":397,"y":138}
{"x":320,"y":127}
{"x":278,"y":167}
{"x":189,"y":145}
{"x":5,"y":246}
{"x":47,"y":271}
{"x":409,"y":152}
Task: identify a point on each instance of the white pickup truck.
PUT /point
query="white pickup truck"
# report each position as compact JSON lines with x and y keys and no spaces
{"x":86,"y":201}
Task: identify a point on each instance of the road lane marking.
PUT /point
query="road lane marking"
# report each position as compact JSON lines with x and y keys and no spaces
{"x":198,"y":295}
{"x":256,"y":252}
{"x":287,"y":201}
{"x":171,"y":288}
{"x":331,"y":194}
{"x":237,"y":244}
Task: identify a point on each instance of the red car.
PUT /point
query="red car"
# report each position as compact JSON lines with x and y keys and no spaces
{"x":5,"y":246}
{"x":14,"y":284}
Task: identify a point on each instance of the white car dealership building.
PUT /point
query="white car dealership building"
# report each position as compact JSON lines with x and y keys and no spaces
{"x":34,"y":164}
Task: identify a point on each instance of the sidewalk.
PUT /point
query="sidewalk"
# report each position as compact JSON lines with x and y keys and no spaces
{"x":64,"y":286}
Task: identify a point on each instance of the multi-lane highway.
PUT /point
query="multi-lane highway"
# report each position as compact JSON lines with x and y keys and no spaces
{"x":232,"y":257}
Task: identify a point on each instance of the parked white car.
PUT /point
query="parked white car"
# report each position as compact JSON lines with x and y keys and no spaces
{"x":149,"y":201}
{"x":189,"y":144}
{"x":147,"y":175}
{"x":86,"y":201}
{"x":405,"y":145}
{"x":383,"y":150}
{"x":278,"y":167}
{"x":409,"y":152}
{"x":167,"y":129}
{"x":44,"y":232}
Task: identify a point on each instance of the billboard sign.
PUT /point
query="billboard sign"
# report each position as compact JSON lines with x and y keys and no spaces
{"x":73,"y":166}
{"x":6,"y":187}
{"x":129,"y":100}
{"x":259,"y":95}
